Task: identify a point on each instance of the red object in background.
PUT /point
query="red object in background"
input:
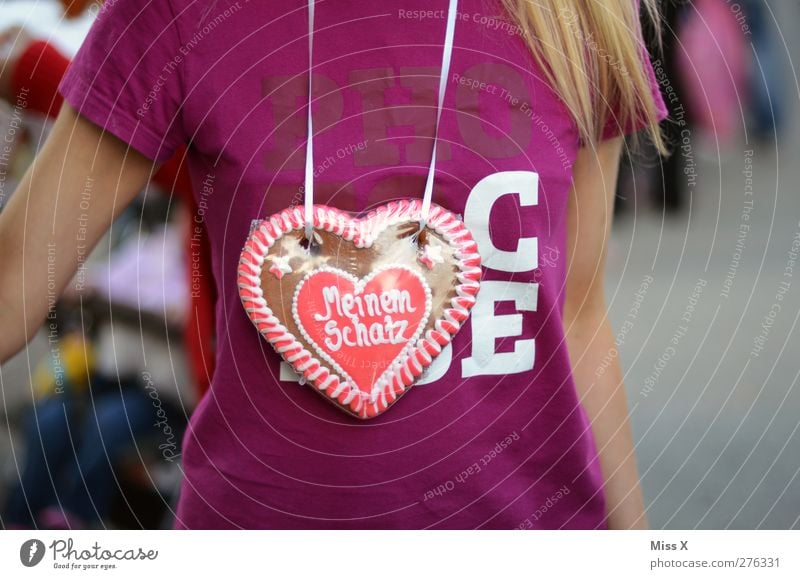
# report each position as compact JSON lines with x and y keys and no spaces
{"x":38,"y":73}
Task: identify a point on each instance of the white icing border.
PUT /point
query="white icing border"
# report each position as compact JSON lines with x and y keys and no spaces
{"x":362,"y":232}
{"x":359,"y":285}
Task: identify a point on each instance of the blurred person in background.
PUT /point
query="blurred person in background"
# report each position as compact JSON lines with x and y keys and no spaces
{"x":103,"y":416}
{"x":110,"y":396}
{"x":72,"y":438}
{"x":645,"y":174}
{"x":767,"y":92}
{"x":33,"y":68}
{"x":668,"y":185}
{"x":718,"y":67}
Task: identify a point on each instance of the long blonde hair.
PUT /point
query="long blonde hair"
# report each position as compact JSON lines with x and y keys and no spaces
{"x":593,"y":56}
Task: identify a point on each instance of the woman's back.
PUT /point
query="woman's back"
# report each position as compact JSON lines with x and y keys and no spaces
{"x":497,"y":437}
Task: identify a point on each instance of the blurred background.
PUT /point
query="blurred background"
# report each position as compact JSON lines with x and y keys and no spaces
{"x":703,"y":286}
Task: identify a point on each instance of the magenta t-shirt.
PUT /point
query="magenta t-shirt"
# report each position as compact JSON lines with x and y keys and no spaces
{"x":496,"y":438}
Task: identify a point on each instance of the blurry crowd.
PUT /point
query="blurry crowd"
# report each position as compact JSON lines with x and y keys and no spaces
{"x":128,"y":347}
{"x":718,"y":66}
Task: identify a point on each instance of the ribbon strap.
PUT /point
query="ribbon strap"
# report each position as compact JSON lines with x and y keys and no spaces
{"x":308,"y":189}
{"x":446,"y":57}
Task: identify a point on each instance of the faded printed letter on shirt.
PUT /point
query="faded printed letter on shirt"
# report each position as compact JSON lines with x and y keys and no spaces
{"x":495,"y":436}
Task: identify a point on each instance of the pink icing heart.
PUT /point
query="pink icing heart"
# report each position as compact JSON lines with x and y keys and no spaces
{"x":362,"y":326}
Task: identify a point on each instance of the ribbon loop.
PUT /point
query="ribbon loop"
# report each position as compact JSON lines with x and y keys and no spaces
{"x":308,"y":188}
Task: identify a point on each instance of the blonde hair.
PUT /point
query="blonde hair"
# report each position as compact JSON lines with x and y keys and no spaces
{"x":592,"y":54}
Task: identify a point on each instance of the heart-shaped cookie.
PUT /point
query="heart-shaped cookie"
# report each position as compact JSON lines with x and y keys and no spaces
{"x":367,"y":309}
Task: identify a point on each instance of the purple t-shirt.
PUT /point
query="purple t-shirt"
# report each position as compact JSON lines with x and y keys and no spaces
{"x":497,"y":437}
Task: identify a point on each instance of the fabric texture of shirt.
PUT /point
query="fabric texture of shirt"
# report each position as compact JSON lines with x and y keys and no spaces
{"x":497,"y":437}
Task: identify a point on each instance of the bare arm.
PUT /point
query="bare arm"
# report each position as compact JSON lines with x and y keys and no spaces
{"x":589,"y":335}
{"x":77,"y":185}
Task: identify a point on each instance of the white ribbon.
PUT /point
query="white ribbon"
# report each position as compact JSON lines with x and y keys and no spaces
{"x":446,"y":56}
{"x":308,"y":189}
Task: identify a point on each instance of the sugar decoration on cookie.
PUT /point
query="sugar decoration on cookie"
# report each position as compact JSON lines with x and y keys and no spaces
{"x":430,"y":255}
{"x":280,"y":265}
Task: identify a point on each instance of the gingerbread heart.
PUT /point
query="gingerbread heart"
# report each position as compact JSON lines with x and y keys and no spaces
{"x":364,"y":312}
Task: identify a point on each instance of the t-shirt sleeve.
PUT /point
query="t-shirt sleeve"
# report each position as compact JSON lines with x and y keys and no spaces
{"x":613,"y":126}
{"x":127,"y":76}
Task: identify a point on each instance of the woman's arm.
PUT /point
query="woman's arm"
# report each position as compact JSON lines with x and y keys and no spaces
{"x":589,"y":335}
{"x":77,"y":185}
